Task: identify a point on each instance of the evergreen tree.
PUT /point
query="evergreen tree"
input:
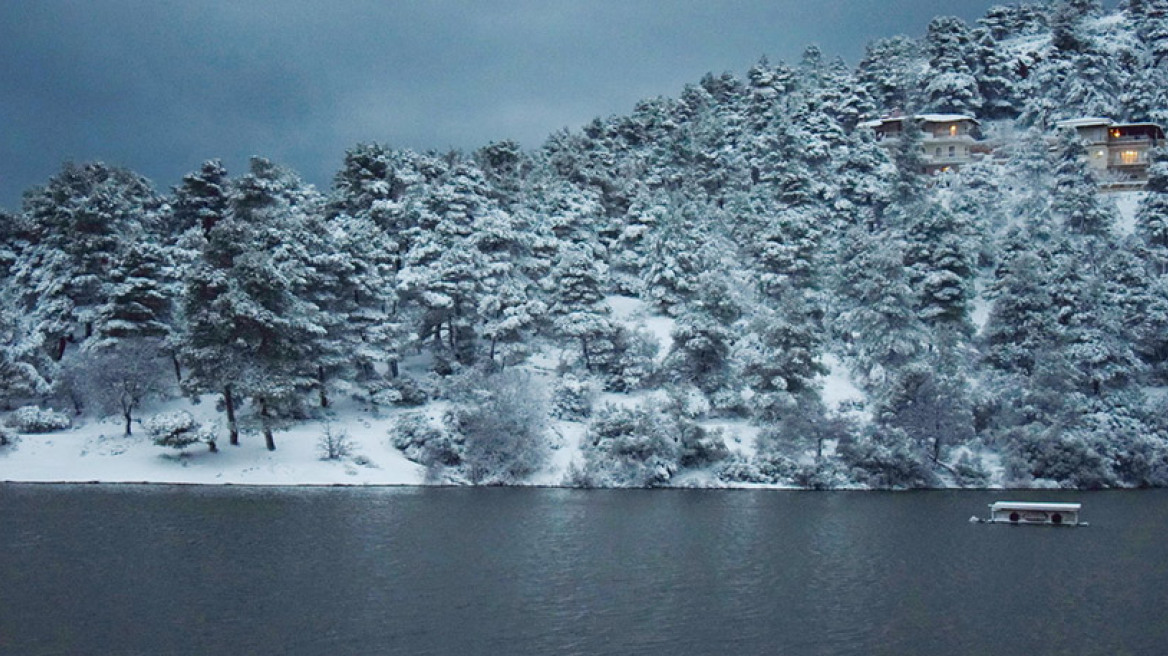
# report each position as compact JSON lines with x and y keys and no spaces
{"x":940,"y":263}
{"x":1076,"y":194}
{"x":202,"y":199}
{"x":578,"y":310}
{"x":251,"y":333}
{"x":951,"y":87}
{"x":888,"y":73}
{"x":79,"y":225}
{"x":1152,"y":215}
{"x":445,"y":273}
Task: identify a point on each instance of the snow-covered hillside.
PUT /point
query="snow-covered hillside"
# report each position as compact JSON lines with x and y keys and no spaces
{"x":746,"y":285}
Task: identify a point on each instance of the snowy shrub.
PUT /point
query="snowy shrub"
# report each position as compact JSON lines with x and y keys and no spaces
{"x":120,"y":379}
{"x":572,"y":398}
{"x":826,"y":474}
{"x":629,"y":448}
{"x":177,"y":430}
{"x":803,"y":429}
{"x":334,"y":443}
{"x":31,"y":419}
{"x":7,"y":437}
{"x":969,"y":471}
{"x":1064,"y":457}
{"x":627,"y":358}
{"x":1132,"y":449}
{"x":426,"y":443}
{"x":771,"y":469}
{"x":737,"y":468}
{"x":884,"y":461}
{"x":504,"y":431}
{"x":700,"y":446}
{"x":401,"y":391}
{"x":774,"y":468}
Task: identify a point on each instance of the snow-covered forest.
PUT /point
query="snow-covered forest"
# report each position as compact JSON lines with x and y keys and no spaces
{"x":684,"y":290}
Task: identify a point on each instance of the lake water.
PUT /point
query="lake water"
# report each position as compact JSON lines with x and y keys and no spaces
{"x":187,"y":570}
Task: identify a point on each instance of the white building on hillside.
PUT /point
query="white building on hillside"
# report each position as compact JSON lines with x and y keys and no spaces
{"x":1120,"y":151}
{"x":949,"y":139}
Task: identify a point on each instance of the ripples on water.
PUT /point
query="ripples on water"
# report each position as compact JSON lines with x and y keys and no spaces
{"x":111,"y":570}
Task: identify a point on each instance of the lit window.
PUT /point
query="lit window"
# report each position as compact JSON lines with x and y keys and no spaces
{"x":1116,"y":134}
{"x":953,"y":130}
{"x":1129,"y":157}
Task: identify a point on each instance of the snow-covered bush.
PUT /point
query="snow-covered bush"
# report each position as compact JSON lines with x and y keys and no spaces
{"x":884,"y":461}
{"x":1066,"y":458}
{"x":504,"y":430}
{"x":31,"y":419}
{"x":826,"y":474}
{"x":737,"y":468}
{"x":400,"y":391}
{"x":766,"y":469}
{"x":7,"y":437}
{"x":425,"y":442}
{"x":700,"y":446}
{"x":177,"y":430}
{"x":572,"y":398}
{"x":628,"y":448}
{"x":334,"y":443}
{"x":627,"y":357}
{"x":970,"y":471}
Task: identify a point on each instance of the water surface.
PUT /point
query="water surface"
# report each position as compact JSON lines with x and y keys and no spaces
{"x":193,"y":570}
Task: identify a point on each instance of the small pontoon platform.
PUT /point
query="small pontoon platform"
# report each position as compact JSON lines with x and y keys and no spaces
{"x":1027,"y":512}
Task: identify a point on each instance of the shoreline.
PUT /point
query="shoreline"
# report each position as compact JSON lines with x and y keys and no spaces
{"x":454,"y":486}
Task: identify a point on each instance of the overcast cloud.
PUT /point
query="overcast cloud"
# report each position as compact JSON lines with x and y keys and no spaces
{"x":161,"y":85}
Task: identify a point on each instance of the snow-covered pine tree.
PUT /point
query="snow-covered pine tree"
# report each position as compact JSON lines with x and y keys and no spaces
{"x":202,"y":199}
{"x":1152,"y":215}
{"x":876,"y":319}
{"x":940,"y":260}
{"x":79,"y":224}
{"x":951,"y":87}
{"x":578,"y":309}
{"x":1076,"y":198}
{"x":889,"y":73}
{"x":251,"y":333}
{"x":139,"y":299}
{"x":445,"y":271}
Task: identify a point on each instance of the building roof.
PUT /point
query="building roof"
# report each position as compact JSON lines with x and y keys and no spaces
{"x":944,"y":118}
{"x":1029,"y":505}
{"x":1085,"y":122}
{"x":923,"y":118}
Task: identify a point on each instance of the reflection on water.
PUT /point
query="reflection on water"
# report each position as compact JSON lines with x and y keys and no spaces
{"x":184,"y":570}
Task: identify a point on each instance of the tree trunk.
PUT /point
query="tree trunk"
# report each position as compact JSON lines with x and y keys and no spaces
{"x":393,"y":369}
{"x":265,"y":418}
{"x":584,"y":347}
{"x":61,"y":344}
{"x":126,"y":414}
{"x":177,"y":367}
{"x":324,"y":401}
{"x":229,"y":403}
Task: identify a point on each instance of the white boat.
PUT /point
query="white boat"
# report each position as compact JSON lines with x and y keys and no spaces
{"x":1028,"y":512}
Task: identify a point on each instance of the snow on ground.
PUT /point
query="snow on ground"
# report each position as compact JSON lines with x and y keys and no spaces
{"x":568,"y":436}
{"x":98,"y":451}
{"x":635,"y":312}
{"x":838,"y":388}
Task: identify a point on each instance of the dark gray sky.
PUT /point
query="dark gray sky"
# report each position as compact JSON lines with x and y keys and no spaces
{"x":160,"y":85}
